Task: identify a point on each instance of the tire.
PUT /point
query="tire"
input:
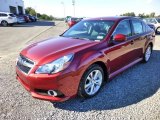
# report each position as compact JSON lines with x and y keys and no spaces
{"x":147,"y":54}
{"x":91,"y":81}
{"x":4,"y":23}
{"x":157,"y":30}
{"x":11,"y":25}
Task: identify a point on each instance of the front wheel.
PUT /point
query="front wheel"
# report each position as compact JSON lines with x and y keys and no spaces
{"x":91,"y":82}
{"x":147,"y":53}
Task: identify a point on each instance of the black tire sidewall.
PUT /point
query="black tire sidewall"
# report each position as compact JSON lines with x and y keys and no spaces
{"x":81,"y":90}
{"x":157,"y":32}
{"x":144,"y":58}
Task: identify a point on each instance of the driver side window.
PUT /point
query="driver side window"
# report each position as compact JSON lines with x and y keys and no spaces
{"x":123,"y":28}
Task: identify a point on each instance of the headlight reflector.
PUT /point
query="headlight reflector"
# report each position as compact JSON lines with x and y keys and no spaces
{"x":55,"y":66}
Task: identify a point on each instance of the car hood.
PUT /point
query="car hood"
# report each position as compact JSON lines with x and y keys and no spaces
{"x":51,"y":49}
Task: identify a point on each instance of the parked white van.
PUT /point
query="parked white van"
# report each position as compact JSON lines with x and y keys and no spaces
{"x":7,"y":19}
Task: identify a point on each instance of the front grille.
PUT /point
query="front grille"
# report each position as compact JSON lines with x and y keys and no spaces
{"x":24,"y":64}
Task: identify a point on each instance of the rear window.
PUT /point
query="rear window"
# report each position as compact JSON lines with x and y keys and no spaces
{"x":12,"y":15}
{"x":74,"y":19}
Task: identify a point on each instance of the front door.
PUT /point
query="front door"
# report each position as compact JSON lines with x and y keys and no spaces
{"x":120,"y":54}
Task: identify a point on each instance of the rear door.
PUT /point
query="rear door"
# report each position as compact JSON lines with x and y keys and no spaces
{"x":139,"y":37}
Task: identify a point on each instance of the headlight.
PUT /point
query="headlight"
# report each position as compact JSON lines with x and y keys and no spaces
{"x":55,"y":66}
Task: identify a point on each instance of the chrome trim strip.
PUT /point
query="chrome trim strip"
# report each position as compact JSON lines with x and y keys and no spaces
{"x":25,"y":63}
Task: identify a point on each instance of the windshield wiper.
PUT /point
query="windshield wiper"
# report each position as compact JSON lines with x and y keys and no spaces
{"x":75,"y":37}
{"x":80,"y":38}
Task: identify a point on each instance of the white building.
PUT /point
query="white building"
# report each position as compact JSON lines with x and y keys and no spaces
{"x":13,"y":6}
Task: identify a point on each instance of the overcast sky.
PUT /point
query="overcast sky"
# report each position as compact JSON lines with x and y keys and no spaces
{"x":93,"y":8}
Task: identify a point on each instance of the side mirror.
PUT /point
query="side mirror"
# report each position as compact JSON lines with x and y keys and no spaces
{"x":120,"y":38}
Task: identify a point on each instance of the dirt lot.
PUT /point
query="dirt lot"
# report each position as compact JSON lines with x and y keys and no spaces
{"x":135,"y":94}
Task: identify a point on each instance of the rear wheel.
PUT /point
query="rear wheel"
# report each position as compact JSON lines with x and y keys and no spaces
{"x":91,"y":82}
{"x":147,"y":53}
{"x":4,"y":23}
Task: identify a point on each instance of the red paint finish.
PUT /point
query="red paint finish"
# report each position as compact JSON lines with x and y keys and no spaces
{"x":115,"y":56}
{"x":120,"y":38}
{"x":71,"y":23}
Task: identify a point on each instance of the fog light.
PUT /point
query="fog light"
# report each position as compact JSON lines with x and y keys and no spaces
{"x":52,"y":93}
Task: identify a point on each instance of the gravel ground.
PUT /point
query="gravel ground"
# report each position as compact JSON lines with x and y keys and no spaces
{"x":133,"y":95}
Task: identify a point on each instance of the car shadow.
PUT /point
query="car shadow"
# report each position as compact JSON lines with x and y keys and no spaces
{"x":132,"y":86}
{"x":38,"y":23}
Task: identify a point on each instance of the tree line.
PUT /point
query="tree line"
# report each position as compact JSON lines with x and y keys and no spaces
{"x":142,"y":15}
{"x":31,"y":11}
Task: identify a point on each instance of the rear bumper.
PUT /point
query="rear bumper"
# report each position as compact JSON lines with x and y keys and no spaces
{"x":45,"y":82}
{"x":21,"y":21}
{"x":12,"y":21}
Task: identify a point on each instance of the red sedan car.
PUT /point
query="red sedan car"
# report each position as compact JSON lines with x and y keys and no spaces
{"x":73,"y":21}
{"x":84,"y":57}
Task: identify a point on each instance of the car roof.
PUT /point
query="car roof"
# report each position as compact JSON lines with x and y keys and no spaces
{"x":6,"y":12}
{"x":114,"y":18}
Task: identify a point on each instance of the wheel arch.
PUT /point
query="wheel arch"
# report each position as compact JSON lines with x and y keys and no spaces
{"x":157,"y":29}
{"x":104,"y":67}
{"x":91,"y":58}
{"x":147,"y":44}
{"x":151,"y":45}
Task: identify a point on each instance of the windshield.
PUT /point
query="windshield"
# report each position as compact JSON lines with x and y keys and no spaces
{"x":90,"y":30}
{"x":158,"y":19}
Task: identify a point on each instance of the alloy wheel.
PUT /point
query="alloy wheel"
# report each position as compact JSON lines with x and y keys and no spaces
{"x":4,"y":23}
{"x":148,"y":53}
{"x":93,"y":82}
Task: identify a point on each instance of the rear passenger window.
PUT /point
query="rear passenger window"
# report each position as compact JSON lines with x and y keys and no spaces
{"x":137,"y":26}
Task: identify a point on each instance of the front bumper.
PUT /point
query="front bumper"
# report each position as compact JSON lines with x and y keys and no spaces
{"x":66,"y":84}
